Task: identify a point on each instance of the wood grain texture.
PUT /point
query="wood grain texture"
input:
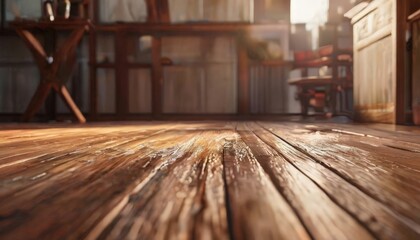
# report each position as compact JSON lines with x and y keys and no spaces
{"x":209,"y":180}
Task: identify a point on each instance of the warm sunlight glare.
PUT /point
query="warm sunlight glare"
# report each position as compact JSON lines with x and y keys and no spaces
{"x":309,"y":11}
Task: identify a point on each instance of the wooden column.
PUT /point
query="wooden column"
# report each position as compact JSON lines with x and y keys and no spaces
{"x":400,"y":28}
{"x":93,"y":76}
{"x":157,"y":76}
{"x":243,"y":81}
{"x":121,"y":72}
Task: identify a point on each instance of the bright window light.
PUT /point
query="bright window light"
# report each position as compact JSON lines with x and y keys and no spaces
{"x":309,"y":11}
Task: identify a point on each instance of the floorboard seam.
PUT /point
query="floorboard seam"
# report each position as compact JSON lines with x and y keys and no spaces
{"x":227,"y":200}
{"x":361,"y":189}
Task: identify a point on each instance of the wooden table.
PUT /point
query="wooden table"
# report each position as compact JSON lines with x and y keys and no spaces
{"x":56,"y":67}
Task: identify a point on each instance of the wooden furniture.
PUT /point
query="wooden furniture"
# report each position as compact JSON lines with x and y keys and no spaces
{"x":56,"y":66}
{"x":124,"y":87}
{"x":414,"y":20}
{"x":324,"y":90}
{"x":380,"y":92}
{"x":121,"y":66}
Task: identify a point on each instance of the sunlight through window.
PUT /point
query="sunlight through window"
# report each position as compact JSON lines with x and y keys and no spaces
{"x":309,"y":11}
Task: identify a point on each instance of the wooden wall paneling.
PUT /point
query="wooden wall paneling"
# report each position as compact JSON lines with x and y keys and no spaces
{"x":106,"y":91}
{"x":140,"y":90}
{"x":122,"y":96}
{"x":220,"y":93}
{"x":243,"y":81}
{"x":183,"y":87}
{"x":268,"y":89}
{"x":184,"y":83}
{"x":157,"y":76}
{"x":93,"y":75}
{"x":220,"y":89}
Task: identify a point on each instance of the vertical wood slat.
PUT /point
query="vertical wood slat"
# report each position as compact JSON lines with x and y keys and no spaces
{"x":157,"y":76}
{"x":243,"y":81}
{"x":400,"y":59}
{"x":93,"y":76}
{"x":121,"y":72}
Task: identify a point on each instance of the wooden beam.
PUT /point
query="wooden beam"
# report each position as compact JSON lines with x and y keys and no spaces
{"x":157,"y":76}
{"x":400,"y":27}
{"x":243,"y":81}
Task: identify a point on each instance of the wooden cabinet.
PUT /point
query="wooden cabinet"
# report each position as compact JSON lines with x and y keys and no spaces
{"x":379,"y":62}
{"x":415,"y":30}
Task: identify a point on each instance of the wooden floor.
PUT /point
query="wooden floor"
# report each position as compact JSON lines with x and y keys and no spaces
{"x":210,"y":180}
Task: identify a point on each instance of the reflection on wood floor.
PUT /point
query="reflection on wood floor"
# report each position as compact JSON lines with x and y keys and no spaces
{"x":210,"y":180}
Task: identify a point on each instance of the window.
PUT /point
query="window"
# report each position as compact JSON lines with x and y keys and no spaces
{"x":309,"y":11}
{"x":27,"y":9}
{"x":122,"y":11}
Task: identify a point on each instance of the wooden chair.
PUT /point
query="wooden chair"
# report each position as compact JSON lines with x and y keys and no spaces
{"x":324,"y":90}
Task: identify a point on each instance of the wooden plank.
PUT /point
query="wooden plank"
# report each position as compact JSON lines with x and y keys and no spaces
{"x":316,"y":210}
{"x":373,"y":173}
{"x":256,"y":208}
{"x":381,"y":221}
{"x":124,"y":167}
{"x":193,"y":200}
{"x":21,"y":175}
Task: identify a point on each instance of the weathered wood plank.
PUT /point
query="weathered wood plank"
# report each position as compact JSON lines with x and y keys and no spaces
{"x":387,"y":183}
{"x":110,"y":174}
{"x":256,"y":208}
{"x":191,"y":204}
{"x":379,"y":219}
{"x":208,"y":180}
{"x":318,"y":212}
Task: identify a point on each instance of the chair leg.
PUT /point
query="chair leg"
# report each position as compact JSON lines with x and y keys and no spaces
{"x":37,"y":101}
{"x":64,"y":93}
{"x":304,"y":99}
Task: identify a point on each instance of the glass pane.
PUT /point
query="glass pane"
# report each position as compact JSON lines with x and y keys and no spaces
{"x":139,"y":49}
{"x":122,"y":11}
{"x":16,"y":50}
{"x":105,"y":48}
{"x":182,"y":49}
{"x":106,"y":91}
{"x":211,"y":11}
{"x":219,"y":49}
{"x":28,"y":9}
{"x":140,"y":91}
{"x":17,"y":86}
